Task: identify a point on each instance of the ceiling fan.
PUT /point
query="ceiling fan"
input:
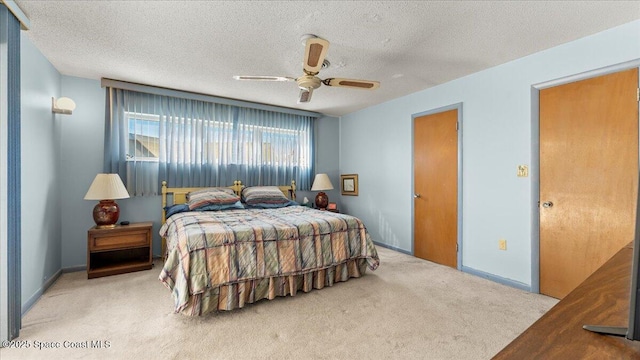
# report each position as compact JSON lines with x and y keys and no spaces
{"x":314,"y":54}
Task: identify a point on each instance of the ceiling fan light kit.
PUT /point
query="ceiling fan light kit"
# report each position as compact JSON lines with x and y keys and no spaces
{"x":314,"y":60}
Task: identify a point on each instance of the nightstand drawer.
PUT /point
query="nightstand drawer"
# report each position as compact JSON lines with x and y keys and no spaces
{"x":119,"y":250}
{"x":128,"y":240}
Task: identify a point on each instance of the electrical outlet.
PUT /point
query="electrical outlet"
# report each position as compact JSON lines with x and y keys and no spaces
{"x":502,"y":244}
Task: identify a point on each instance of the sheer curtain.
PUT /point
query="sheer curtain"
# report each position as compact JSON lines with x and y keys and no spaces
{"x":190,"y":143}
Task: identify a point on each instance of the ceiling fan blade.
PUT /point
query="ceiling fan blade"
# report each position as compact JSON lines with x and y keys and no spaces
{"x":314,"y":53}
{"x":305,"y":95}
{"x":263,"y":78}
{"x":352,"y":83}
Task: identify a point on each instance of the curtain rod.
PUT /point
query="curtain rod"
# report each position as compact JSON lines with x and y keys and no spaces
{"x":202,"y":97}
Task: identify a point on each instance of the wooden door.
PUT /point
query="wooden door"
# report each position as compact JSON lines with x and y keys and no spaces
{"x":435,"y":169}
{"x":588,"y":176}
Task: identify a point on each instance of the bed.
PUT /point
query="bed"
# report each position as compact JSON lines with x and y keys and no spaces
{"x":226,"y":258}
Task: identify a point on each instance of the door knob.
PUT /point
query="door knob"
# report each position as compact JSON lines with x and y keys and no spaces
{"x":415,"y":196}
{"x":547,"y":204}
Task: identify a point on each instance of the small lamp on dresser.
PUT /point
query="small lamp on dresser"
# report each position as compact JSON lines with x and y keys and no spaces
{"x":106,"y":188}
{"x":321,"y":182}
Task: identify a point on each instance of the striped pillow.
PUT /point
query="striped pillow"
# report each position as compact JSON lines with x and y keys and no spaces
{"x":206,"y":197}
{"x":223,"y":189}
{"x":260,"y":195}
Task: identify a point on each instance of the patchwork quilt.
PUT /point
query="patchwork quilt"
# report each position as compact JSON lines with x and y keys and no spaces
{"x":209,"y":249}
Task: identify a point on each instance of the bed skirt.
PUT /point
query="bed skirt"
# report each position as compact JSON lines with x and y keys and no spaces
{"x":237,"y":295}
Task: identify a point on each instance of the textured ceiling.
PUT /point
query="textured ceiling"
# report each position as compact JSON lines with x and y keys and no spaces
{"x":406,"y":45}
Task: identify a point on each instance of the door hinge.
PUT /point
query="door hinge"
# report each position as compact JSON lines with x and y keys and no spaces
{"x":457,"y":248}
{"x":638,"y":94}
{"x":457,"y":126}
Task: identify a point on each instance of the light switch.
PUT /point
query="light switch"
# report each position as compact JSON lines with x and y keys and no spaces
{"x":523,"y":171}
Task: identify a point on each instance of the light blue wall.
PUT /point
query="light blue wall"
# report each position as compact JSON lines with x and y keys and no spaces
{"x":80,"y":161}
{"x":40,"y":134}
{"x":376,"y":143}
{"x":327,"y":148}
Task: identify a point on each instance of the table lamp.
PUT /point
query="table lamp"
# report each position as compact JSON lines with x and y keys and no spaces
{"x":321,"y":182}
{"x":106,"y":188}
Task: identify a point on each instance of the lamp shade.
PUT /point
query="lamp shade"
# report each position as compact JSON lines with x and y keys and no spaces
{"x":321,"y":182}
{"x":106,"y":187}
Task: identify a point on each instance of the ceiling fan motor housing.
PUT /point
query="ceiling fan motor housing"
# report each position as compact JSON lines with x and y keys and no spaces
{"x":308,"y":82}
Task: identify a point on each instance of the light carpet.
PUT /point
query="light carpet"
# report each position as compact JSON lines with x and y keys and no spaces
{"x":407,"y":309}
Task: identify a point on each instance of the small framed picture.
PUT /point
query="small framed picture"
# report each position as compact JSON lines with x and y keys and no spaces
{"x":332,"y":206}
{"x":349,"y":184}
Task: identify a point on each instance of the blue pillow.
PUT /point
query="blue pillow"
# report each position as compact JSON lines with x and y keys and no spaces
{"x":218,"y":207}
{"x":174,"y":209}
{"x":272,"y":206}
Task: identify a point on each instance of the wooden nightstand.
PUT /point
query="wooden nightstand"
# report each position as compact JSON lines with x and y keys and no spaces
{"x":119,"y":250}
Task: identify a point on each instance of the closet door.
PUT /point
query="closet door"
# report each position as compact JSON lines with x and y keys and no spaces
{"x":435,"y":169}
{"x":588,"y":176}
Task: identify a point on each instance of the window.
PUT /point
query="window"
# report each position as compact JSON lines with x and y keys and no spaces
{"x":144,"y":137}
{"x":195,"y":143}
{"x":144,"y":143}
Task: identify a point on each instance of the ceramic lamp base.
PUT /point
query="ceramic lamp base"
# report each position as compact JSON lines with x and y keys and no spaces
{"x":322,"y":200}
{"x":106,"y":214}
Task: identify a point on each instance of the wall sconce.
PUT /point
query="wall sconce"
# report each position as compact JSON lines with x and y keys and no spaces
{"x":63,"y":105}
